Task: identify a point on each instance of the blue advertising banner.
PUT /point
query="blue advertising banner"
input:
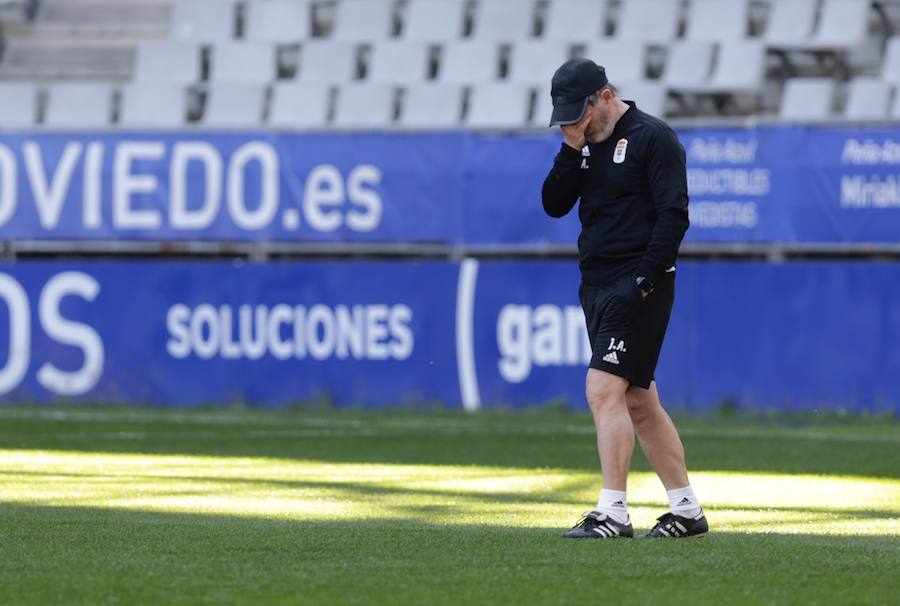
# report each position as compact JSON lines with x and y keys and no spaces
{"x":812,"y":335}
{"x":765,"y":184}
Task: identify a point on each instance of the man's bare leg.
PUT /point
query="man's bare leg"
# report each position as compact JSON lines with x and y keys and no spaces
{"x":615,"y":432}
{"x":658,"y":437}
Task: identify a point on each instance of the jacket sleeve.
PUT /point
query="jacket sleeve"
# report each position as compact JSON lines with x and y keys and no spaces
{"x":667,"y":173}
{"x":563,"y":183}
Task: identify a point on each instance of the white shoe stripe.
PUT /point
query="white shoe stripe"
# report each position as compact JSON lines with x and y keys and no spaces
{"x":663,"y":532}
{"x":680,"y":527}
{"x":601,"y":530}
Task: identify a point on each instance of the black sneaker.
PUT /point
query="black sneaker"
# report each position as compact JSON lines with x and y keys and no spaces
{"x":674,"y":526}
{"x":597,"y":525}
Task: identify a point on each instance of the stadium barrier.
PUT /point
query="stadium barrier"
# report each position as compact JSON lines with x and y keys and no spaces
{"x":814,"y":184}
{"x":795,"y":336}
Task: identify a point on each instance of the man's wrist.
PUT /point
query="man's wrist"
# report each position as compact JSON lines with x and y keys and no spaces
{"x":645,"y":284}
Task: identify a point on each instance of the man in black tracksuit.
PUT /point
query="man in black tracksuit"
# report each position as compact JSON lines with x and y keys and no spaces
{"x":628,"y":170}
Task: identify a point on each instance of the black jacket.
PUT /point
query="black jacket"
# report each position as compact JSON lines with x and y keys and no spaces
{"x":634,"y":201}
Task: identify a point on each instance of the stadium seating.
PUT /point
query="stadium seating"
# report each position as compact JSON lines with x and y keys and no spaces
{"x":434,"y":20}
{"x":203,"y":21}
{"x":432,"y":105}
{"x":78,"y":105}
{"x":689,"y":64}
{"x":153,"y":105}
{"x":243,"y":62}
{"x":789,"y":21}
{"x":531,"y":60}
{"x":167,"y":62}
{"x":365,"y":105}
{"x":19,"y":103}
{"x":623,"y":59}
{"x":653,"y":21}
{"x":300,"y":106}
{"x":717,"y":20}
{"x":498,"y":106}
{"x":579,"y":20}
{"x":234,"y":105}
{"x":868,"y":98}
{"x":327,"y":61}
{"x":807,"y":99}
{"x":398,"y":62}
{"x":469,"y":62}
{"x":363,"y":20}
{"x":497,"y":21}
{"x":890,"y":69}
{"x":650,"y":96}
{"x":278,"y":21}
{"x":720,"y":49}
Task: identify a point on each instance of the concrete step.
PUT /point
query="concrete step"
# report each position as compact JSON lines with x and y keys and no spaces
{"x":67,"y":62}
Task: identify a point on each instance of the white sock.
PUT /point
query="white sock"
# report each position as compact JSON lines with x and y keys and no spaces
{"x":614,"y":504}
{"x":682,"y":502}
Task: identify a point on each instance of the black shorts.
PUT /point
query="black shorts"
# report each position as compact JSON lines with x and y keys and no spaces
{"x":626,"y":331}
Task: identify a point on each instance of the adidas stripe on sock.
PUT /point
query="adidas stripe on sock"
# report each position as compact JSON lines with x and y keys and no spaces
{"x":614,"y":504}
{"x":683,"y":502}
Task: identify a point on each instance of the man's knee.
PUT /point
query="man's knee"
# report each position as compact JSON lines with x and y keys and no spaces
{"x":641,"y":403}
{"x":604,"y":389}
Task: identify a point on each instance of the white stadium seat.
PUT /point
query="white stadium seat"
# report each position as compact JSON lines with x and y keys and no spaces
{"x":78,"y":105}
{"x":278,"y":21}
{"x":890,"y":69}
{"x":739,"y":68}
{"x":363,"y":20}
{"x":575,"y":20}
{"x":534,"y":61}
{"x":895,"y":107}
{"x":653,"y":21}
{"x":167,"y":61}
{"x":807,"y":99}
{"x":689,"y":64}
{"x":203,"y":21}
{"x":842,"y":26}
{"x":622,"y":59}
{"x":153,"y":105}
{"x":469,"y":62}
{"x":364,"y":106}
{"x":789,"y":21}
{"x":19,"y":103}
{"x":434,"y":20}
{"x":243,"y":62}
{"x":649,"y":95}
{"x":432,"y":106}
{"x":398,"y":62}
{"x":503,"y":21}
{"x":717,"y":20}
{"x":868,"y":99}
{"x":300,"y":106}
{"x":234,"y":105}
{"x":543,"y":108}
{"x":327,"y":62}
{"x":498,"y":106}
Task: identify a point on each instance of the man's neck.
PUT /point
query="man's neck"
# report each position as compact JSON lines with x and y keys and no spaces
{"x":621,"y":108}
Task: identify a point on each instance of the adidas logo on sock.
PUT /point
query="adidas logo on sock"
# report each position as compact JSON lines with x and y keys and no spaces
{"x":611,"y":357}
{"x":684,"y":501}
{"x":617,"y":504}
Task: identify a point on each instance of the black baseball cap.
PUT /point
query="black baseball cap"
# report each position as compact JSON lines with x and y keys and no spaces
{"x":572,"y":84}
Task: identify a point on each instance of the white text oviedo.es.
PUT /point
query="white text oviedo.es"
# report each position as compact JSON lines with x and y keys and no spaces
{"x":110,"y":179}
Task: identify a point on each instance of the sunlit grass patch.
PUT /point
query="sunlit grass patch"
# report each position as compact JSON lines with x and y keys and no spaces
{"x":144,"y":507}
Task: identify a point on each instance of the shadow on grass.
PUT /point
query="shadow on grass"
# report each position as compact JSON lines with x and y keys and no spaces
{"x":529,"y":441}
{"x":82,"y":555}
{"x":564,"y":495}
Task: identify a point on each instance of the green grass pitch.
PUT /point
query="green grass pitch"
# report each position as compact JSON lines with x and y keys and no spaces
{"x":139,"y":506}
